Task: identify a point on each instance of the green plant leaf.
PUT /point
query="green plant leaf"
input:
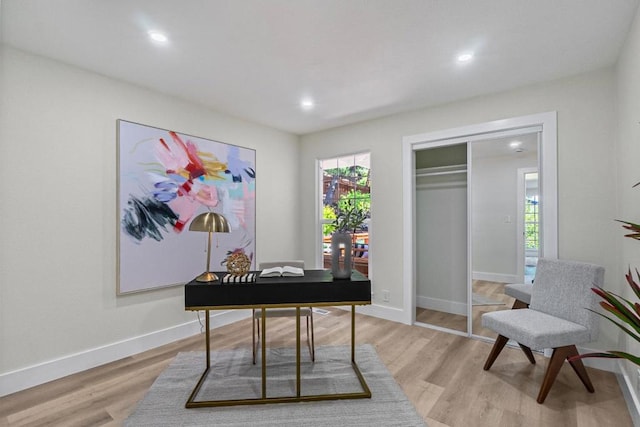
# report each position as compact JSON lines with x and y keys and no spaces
{"x":635,"y":228}
{"x":609,"y":355}
{"x":586,"y":355}
{"x":629,"y":321}
{"x":632,"y":283}
{"x":618,"y":308}
{"x":630,"y":357}
{"x":619,"y":325}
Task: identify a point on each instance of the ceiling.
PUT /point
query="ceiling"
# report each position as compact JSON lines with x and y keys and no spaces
{"x":357,"y":59}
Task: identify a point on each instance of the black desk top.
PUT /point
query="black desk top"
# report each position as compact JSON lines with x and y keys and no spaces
{"x":315,"y":287}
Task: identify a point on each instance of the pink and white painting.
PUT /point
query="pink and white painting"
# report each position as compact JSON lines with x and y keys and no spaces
{"x":165,"y":179}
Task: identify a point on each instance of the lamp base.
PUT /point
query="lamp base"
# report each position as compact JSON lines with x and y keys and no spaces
{"x":207,"y":276}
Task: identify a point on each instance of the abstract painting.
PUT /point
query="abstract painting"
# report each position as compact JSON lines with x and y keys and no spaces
{"x":165,"y":179}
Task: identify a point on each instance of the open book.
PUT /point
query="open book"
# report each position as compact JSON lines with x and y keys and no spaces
{"x":286,"y":271}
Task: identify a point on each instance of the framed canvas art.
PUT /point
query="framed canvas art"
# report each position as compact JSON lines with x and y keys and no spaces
{"x":165,"y":179}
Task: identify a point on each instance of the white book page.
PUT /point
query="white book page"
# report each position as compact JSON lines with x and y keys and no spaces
{"x":291,"y":271}
{"x":271,"y":272}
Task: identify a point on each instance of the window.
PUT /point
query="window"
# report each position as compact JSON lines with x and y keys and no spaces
{"x":531,"y":212}
{"x":346,"y":184}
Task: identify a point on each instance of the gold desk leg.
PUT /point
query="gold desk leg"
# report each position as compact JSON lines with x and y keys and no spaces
{"x":208,"y":338}
{"x":298,"y":351}
{"x":192,"y":397}
{"x":353,"y":334}
{"x":264,"y":352}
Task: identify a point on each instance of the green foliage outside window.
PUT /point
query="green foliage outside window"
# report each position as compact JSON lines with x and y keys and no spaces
{"x":352,"y":200}
{"x":328,"y":213}
{"x":531,"y":225}
{"x":361,"y":201}
{"x":360,"y":173}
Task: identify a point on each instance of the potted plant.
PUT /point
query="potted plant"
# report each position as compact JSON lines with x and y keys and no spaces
{"x":345,"y":223}
{"x":626,"y":313}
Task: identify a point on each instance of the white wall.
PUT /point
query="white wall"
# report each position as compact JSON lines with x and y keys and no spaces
{"x":58,"y":208}
{"x":586,"y":172}
{"x":495,"y":220}
{"x":628,"y":169}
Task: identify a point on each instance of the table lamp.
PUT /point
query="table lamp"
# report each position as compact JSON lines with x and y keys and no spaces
{"x":212,"y":223}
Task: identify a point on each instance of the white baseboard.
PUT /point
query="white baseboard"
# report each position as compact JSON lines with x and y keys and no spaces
{"x":446,"y":306}
{"x":630,"y":394}
{"x":495,"y":277}
{"x":382,"y":312}
{"x":41,"y":373}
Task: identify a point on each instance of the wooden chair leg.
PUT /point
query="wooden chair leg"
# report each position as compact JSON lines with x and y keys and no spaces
{"x":555,"y":363}
{"x":578,"y":368}
{"x":528,"y":353}
{"x":501,"y":341}
{"x":519,"y":304}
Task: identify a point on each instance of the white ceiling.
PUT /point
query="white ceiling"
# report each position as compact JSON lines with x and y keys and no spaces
{"x":358,"y":59}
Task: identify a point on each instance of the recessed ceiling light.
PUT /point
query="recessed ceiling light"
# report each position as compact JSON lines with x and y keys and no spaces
{"x":515,"y":144}
{"x":157,"y":36}
{"x":307,"y":104}
{"x":465,"y":57}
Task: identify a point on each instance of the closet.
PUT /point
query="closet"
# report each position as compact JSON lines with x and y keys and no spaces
{"x":465,"y":210}
{"x":441,"y":237}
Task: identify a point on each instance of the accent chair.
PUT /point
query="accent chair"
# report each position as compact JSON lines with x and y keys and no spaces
{"x":558,"y":318}
{"x":307,"y":312}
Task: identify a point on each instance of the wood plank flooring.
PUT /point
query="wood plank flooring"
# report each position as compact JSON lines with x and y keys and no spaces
{"x":491,"y":290}
{"x":440,"y":373}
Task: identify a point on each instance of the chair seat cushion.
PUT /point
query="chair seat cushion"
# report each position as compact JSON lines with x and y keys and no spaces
{"x":283,"y":312}
{"x":535,"y":329}
{"x":519,"y":291}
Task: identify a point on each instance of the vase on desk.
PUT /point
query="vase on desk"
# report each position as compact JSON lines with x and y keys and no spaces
{"x":341,"y":255}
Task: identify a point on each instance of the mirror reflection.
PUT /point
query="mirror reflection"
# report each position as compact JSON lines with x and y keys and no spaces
{"x":505,"y":221}
{"x":484,"y":192}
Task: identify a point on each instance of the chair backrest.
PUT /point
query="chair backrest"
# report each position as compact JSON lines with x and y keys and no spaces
{"x":270,"y":264}
{"x":562,"y":289}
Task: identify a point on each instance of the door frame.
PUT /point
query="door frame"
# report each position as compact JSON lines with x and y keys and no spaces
{"x":547,"y":169}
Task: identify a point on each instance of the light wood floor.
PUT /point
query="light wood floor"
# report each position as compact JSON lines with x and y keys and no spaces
{"x":440,"y":373}
{"x":492,"y":290}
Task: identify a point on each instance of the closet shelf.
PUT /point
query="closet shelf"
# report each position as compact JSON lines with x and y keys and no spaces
{"x":441,"y":170}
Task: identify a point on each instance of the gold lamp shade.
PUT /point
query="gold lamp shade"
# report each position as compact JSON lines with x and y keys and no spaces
{"x":210,"y":222}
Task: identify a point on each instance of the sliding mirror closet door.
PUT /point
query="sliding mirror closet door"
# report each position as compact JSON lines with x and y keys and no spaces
{"x":504,"y":220}
{"x":441,"y":237}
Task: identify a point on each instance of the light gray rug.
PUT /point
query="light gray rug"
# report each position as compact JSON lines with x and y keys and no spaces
{"x":233,"y":375}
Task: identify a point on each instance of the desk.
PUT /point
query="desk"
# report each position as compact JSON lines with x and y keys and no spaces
{"x":315,"y":289}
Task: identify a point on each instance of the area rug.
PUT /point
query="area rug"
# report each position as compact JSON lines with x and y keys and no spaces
{"x":482,"y":300}
{"x":234,"y":375}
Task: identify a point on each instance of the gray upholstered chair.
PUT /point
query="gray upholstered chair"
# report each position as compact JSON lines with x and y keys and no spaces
{"x":521,"y":292}
{"x":307,"y":312}
{"x":557,"y":318}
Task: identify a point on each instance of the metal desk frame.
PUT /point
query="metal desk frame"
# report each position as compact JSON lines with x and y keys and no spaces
{"x":299,"y":397}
